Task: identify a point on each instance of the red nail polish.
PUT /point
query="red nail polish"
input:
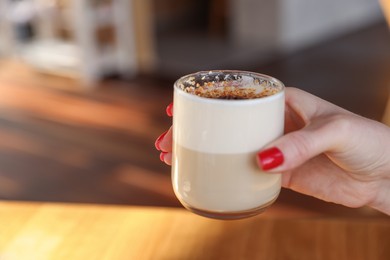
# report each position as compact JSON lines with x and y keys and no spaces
{"x":169,"y":109}
{"x":162,"y":155}
{"x":158,"y":141}
{"x":270,"y":158}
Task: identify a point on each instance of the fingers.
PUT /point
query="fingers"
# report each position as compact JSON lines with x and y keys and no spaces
{"x":159,"y":139}
{"x":164,"y":144}
{"x":166,"y":157}
{"x":169,"y":110}
{"x":295,"y":148}
{"x":321,"y":178}
{"x":164,"y":141}
{"x":321,"y":127}
{"x":303,"y":107}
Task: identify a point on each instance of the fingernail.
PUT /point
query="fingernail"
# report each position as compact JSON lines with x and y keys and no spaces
{"x":158,"y":141}
{"x":270,"y":158}
{"x":162,"y":155}
{"x":169,"y":109}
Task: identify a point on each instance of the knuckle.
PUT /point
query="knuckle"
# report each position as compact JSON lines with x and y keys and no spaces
{"x":341,"y":125}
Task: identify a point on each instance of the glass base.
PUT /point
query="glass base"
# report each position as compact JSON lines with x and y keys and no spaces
{"x":230,"y":215}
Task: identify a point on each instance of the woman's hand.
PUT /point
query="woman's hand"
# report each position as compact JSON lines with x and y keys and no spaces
{"x":326,"y":152}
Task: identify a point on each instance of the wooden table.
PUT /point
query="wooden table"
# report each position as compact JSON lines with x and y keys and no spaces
{"x":67,"y":231}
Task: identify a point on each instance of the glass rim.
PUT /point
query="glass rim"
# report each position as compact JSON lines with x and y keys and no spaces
{"x":231,"y":101}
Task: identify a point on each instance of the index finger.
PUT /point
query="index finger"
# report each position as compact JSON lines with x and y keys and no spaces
{"x":166,"y":142}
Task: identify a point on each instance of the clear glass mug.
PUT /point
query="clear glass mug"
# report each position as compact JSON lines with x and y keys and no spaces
{"x":221,"y":120}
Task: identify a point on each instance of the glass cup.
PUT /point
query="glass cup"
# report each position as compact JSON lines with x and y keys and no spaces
{"x":221,"y":120}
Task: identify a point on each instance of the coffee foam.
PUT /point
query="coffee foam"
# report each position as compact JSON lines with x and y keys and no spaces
{"x":222,"y":85}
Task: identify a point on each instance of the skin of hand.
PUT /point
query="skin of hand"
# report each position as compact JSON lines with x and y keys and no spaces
{"x":327,"y":152}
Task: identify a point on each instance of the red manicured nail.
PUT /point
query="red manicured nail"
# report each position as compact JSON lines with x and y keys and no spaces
{"x":169,"y":109}
{"x":158,"y":141}
{"x":270,"y":158}
{"x":162,"y":155}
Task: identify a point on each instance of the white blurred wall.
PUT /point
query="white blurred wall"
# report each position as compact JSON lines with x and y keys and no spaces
{"x":288,"y":25}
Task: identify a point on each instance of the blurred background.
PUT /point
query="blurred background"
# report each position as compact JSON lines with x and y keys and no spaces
{"x":84,"y":83}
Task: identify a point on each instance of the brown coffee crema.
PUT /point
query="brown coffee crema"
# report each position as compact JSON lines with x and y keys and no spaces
{"x":228,"y":86}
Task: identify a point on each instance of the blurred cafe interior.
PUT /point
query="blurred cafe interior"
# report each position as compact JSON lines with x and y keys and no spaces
{"x":84,"y":85}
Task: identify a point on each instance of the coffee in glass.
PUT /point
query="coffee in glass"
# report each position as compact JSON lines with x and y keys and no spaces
{"x":221,"y":120}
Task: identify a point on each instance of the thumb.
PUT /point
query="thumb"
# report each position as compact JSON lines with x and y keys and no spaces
{"x":295,"y":148}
